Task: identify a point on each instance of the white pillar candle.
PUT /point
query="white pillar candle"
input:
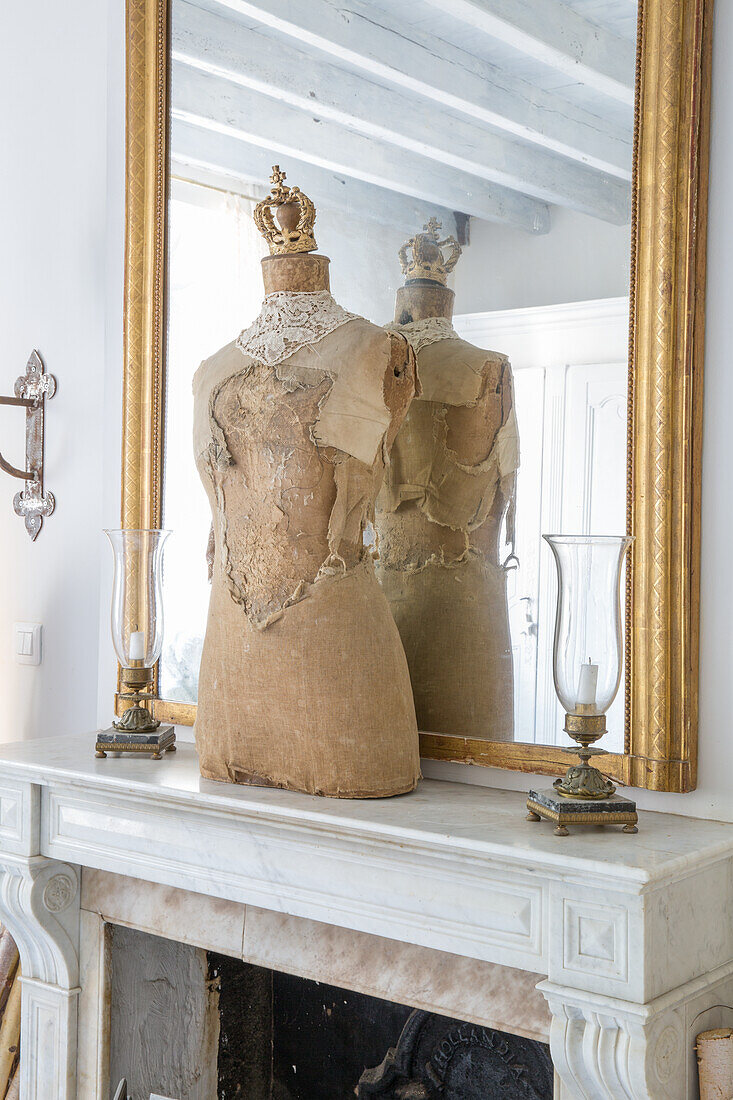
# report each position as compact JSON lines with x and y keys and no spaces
{"x":137,"y":645}
{"x":587,"y":684}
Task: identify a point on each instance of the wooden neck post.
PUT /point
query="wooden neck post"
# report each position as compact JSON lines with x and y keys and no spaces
{"x":301,"y":271}
{"x":423,"y":298}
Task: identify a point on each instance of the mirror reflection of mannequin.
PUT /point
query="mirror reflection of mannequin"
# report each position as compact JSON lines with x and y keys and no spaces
{"x":448,"y":496}
{"x":303,"y":682}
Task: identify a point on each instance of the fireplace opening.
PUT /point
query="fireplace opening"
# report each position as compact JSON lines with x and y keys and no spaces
{"x":197,"y":1025}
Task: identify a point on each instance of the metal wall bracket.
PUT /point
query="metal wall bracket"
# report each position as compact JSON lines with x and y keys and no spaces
{"x":31,"y":391}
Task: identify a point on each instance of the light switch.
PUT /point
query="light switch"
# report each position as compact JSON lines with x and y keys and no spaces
{"x":27,"y":643}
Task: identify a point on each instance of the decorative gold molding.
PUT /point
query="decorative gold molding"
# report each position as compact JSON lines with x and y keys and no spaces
{"x":665,"y":380}
{"x":670,"y":232}
{"x":146,"y":195}
{"x":145,"y":262}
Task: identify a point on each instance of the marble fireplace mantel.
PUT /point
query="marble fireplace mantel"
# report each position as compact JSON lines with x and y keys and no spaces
{"x":631,"y":934}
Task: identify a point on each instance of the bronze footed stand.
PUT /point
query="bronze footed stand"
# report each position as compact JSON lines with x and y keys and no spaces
{"x":137,"y":730}
{"x":583,"y":796}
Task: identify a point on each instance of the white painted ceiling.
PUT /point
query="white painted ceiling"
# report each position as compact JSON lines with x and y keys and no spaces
{"x":399,"y":109}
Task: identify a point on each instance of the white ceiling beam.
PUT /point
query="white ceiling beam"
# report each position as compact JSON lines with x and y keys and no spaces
{"x":216,"y":160}
{"x":215,"y":104}
{"x":225,"y":48}
{"x":556,"y":36}
{"x":346,"y":31}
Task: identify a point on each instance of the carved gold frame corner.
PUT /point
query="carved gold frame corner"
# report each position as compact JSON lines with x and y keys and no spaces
{"x":669,"y":227}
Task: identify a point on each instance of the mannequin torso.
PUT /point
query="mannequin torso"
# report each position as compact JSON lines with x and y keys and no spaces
{"x":293,"y":422}
{"x":439,"y":517}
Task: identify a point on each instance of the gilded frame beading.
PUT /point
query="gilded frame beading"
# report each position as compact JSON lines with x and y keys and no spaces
{"x":665,"y":378}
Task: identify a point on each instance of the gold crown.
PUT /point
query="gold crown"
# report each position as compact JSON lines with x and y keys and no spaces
{"x":428,"y":260}
{"x":295,"y":215}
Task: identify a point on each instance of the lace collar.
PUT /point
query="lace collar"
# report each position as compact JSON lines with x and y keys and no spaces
{"x":428,"y":331}
{"x":288,"y":321}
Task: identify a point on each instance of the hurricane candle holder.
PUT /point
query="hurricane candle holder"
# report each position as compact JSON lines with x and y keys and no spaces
{"x":587,"y":666}
{"x":137,"y":636}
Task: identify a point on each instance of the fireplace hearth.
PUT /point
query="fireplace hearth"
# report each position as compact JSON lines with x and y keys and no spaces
{"x":288,"y":1038}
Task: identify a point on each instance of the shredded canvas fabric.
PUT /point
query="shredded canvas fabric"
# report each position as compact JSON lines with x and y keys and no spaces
{"x":450,"y":482}
{"x":300,"y":640}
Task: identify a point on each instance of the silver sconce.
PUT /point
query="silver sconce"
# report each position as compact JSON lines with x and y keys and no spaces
{"x":31,"y":391}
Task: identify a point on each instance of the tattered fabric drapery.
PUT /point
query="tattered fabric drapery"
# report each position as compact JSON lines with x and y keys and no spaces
{"x":450,"y":482}
{"x":304,"y":682}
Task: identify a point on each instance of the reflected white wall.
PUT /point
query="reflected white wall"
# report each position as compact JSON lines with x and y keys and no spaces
{"x":580,"y":259}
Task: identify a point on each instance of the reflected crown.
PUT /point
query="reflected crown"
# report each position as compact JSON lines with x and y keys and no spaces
{"x":285,"y":218}
{"x":424,"y":255}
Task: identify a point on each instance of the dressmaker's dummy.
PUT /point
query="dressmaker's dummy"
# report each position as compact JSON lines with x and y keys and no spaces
{"x":304,"y":682}
{"x":448,"y":487}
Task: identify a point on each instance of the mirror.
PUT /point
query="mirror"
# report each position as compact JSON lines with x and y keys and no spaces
{"x":389,"y":119}
{"x":508,"y":134}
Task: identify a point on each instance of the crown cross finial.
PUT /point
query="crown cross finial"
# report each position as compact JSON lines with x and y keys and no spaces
{"x":295,"y":214}
{"x":428,"y":260}
{"x":432,"y":227}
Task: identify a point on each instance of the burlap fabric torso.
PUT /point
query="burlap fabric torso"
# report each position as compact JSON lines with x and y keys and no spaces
{"x":303,"y":682}
{"x":450,"y":481}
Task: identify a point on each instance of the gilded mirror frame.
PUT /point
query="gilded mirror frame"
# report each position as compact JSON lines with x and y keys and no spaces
{"x":669,"y":211}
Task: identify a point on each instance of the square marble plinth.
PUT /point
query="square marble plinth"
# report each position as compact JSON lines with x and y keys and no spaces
{"x":562,"y":811}
{"x":156,"y":742}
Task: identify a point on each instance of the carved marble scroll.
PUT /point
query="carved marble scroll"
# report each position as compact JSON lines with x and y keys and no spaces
{"x":39,"y":904}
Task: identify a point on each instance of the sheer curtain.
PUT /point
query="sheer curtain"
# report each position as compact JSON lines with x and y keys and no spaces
{"x":215,"y":290}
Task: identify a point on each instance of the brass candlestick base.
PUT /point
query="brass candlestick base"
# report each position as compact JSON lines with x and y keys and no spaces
{"x":583,"y":780}
{"x":563,"y":811}
{"x":137,"y":730}
{"x":137,"y":718}
{"x":584,"y":796}
{"x":155,"y":744}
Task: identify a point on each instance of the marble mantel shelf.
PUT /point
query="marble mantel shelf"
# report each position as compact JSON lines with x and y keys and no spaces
{"x":631,"y":931}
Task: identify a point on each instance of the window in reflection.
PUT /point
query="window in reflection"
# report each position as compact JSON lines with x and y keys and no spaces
{"x":215,"y":288}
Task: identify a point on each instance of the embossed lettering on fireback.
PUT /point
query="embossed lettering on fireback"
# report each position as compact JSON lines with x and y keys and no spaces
{"x":442,"y":1059}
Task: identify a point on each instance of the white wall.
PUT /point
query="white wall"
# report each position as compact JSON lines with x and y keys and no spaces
{"x":53,"y":257}
{"x":61,"y":209}
{"x":580,"y":259}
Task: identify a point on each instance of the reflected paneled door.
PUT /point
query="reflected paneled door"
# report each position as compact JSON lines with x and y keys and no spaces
{"x":572,"y":431}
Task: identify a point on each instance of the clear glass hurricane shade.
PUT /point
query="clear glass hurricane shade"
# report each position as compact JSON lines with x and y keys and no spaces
{"x":137,"y":604}
{"x":588,"y":647}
